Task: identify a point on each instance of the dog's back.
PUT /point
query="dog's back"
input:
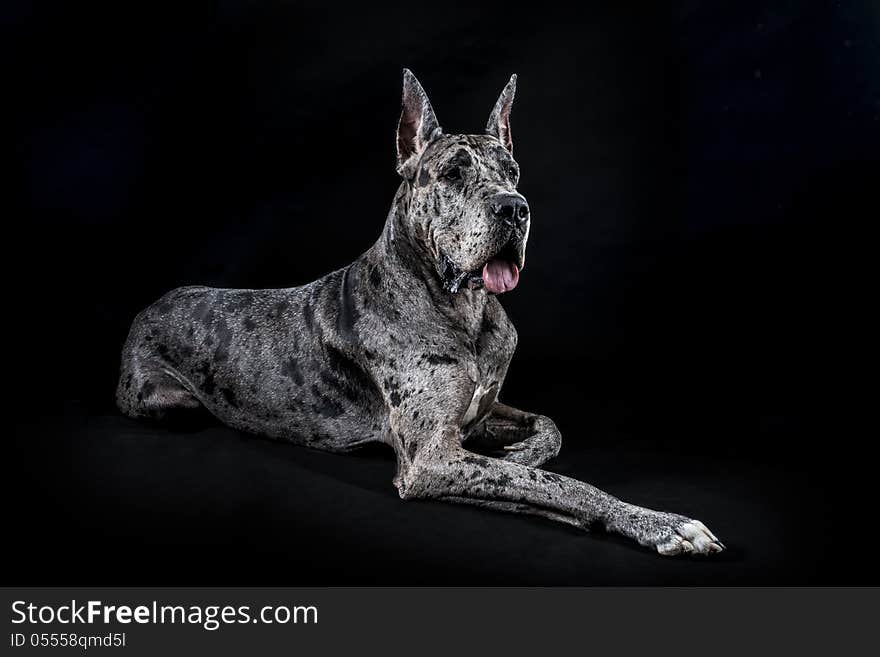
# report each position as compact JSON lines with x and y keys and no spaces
{"x":245,"y":355}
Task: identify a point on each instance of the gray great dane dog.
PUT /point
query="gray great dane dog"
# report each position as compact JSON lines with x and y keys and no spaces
{"x":407,"y":346}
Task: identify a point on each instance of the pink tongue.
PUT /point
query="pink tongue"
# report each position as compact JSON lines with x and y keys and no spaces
{"x":500,"y":276}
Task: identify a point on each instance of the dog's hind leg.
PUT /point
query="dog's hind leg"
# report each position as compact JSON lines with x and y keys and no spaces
{"x":516,"y":436}
{"x":148,"y":388}
{"x":151,"y":392}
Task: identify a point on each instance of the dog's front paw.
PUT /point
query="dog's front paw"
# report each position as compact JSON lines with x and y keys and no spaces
{"x":668,"y":533}
{"x":690,"y":537}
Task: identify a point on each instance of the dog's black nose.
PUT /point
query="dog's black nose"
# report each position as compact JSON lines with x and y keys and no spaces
{"x":512,"y":209}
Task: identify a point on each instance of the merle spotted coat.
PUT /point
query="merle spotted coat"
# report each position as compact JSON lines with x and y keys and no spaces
{"x":408,"y":346}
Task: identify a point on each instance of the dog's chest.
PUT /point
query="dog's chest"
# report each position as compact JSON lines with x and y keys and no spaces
{"x":487,"y":369}
{"x":481,"y":402}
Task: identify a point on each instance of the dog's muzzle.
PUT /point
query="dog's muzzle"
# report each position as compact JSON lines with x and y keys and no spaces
{"x":512,"y":209}
{"x":498,"y":274}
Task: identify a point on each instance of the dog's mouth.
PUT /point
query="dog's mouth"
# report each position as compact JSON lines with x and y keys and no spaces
{"x":499,"y":274}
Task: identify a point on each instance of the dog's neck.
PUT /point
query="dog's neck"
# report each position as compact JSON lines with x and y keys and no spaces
{"x":404,"y":255}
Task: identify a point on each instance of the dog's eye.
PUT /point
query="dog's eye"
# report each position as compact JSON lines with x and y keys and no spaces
{"x":513,"y":171}
{"x":452,"y":174}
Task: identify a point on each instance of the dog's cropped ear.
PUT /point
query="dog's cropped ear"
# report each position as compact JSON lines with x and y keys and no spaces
{"x":417,"y":126}
{"x":499,"y":121}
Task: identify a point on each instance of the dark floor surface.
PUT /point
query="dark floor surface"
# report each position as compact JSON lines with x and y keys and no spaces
{"x":104,"y":500}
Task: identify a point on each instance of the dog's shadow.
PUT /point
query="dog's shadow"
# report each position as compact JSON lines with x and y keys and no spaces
{"x":369,"y":468}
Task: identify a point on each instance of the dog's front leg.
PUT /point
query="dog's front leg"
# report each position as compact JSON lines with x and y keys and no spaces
{"x":517,"y":436}
{"x":440,"y":468}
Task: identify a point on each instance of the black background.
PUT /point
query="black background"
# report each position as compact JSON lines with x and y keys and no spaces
{"x":695,"y":171}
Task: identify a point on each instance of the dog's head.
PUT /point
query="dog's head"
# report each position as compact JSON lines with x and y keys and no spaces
{"x":463,"y":200}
